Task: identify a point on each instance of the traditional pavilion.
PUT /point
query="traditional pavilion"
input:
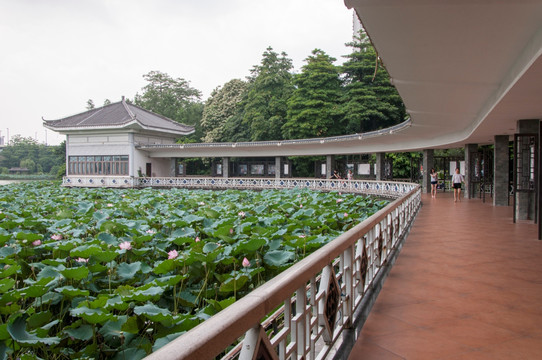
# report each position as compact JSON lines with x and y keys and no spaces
{"x":105,"y":141}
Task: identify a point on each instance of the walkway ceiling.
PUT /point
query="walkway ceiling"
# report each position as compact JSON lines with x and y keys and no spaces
{"x":467,"y":70}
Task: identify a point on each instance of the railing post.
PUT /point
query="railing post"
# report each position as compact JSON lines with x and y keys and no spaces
{"x":348,"y":268}
{"x":299,"y":321}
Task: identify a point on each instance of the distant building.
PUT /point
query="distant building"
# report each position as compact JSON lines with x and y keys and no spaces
{"x":103,"y":141}
{"x":18,"y":170}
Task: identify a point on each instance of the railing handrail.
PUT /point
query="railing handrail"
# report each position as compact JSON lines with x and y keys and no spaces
{"x":210,"y":338}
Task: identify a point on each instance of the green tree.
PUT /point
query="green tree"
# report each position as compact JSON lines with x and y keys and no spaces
{"x":26,"y":152}
{"x":107,"y":102}
{"x":370,"y":102}
{"x":314,"y":107}
{"x":405,"y":164}
{"x":224,"y":103}
{"x":28,"y":164}
{"x":270,"y":88}
{"x":90,"y":104}
{"x":19,"y":148}
{"x":172,"y":98}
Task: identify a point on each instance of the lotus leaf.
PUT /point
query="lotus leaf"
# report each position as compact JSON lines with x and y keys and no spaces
{"x":71,"y":292}
{"x":165,"y":340}
{"x":78,"y":273}
{"x":278,"y":257}
{"x":165,"y":266}
{"x":105,"y":256}
{"x":154,"y":313}
{"x":17,"y":330}
{"x":9,"y":270}
{"x":93,"y":316}
{"x":128,"y":271}
{"x":85,"y":251}
{"x":113,"y":334}
{"x":83,"y":332}
{"x":131,"y":353}
{"x":6,"y":284}
{"x":234,"y":283}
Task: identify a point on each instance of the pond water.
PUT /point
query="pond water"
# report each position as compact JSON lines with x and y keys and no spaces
{"x":7,"y":182}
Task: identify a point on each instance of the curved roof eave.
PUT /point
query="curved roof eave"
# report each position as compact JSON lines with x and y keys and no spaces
{"x":132,"y":124}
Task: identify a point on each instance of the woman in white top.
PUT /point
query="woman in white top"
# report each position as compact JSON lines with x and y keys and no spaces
{"x":457,"y":179}
{"x":434,"y":182}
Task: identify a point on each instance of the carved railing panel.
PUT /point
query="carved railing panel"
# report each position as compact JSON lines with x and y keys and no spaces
{"x":381,"y":188}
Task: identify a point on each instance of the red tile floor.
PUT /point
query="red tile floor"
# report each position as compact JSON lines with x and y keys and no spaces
{"x":466,"y":285}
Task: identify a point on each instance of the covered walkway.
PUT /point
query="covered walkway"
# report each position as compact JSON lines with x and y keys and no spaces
{"x":467,"y":285}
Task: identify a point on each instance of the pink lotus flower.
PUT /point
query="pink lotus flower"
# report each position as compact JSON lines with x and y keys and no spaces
{"x":246,"y":263}
{"x":56,"y":237}
{"x":172,"y":254}
{"x":300,"y":205}
{"x":201,"y":203}
{"x":82,"y":260}
{"x":197,"y":239}
{"x":150,"y":231}
{"x":345,"y":215}
{"x":231,"y":231}
{"x":302,"y":236}
{"x":125,"y":245}
{"x":241,"y":214}
{"x":36,"y":243}
{"x":339,"y":201}
{"x":109,"y":205}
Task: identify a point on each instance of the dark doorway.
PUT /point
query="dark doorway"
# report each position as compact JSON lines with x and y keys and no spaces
{"x":148,"y":169}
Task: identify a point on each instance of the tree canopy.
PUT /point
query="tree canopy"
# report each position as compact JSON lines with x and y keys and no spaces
{"x":26,"y":152}
{"x":314,"y":108}
{"x":221,"y":109}
{"x":370,"y":101}
{"x":270,"y":87}
{"x":172,"y":98}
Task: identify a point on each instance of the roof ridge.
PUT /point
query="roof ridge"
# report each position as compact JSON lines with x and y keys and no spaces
{"x":91,"y":115}
{"x":132,"y":115}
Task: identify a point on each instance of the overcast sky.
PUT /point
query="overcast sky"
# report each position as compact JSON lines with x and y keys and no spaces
{"x":57,"y":54}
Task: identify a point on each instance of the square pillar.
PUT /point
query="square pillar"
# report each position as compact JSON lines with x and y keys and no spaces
{"x":428,"y":164}
{"x":172,"y":167}
{"x":501,"y":166}
{"x":380,"y":166}
{"x":330,"y":166}
{"x":469,"y":149}
{"x":277,"y":167}
{"x":526,"y":201}
{"x":225,"y":167}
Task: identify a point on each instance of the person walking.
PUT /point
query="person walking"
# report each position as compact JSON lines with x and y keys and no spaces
{"x":457,"y":179}
{"x":434,"y":182}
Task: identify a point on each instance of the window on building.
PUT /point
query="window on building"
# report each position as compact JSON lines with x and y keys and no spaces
{"x":98,"y":165}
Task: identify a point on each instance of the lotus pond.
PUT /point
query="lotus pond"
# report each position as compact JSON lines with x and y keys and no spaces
{"x":118,"y":273}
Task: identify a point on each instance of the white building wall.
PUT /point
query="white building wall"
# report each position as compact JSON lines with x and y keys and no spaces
{"x":121,"y":144}
{"x":141,"y":139}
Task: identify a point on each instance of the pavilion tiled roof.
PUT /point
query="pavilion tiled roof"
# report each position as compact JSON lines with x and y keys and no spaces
{"x":117,"y":116}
